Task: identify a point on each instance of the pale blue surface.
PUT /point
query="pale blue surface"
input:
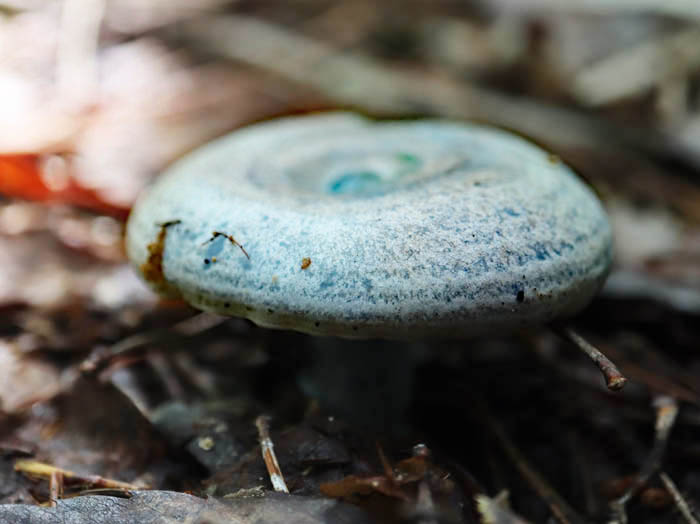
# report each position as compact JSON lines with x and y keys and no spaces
{"x":413,"y":228}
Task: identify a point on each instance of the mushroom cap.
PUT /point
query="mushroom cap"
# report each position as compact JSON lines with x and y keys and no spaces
{"x":344,"y":226}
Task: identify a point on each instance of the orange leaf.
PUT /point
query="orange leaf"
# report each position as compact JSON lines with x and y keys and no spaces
{"x":20,"y":176}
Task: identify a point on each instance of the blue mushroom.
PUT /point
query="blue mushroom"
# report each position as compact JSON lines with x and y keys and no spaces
{"x":333,"y":224}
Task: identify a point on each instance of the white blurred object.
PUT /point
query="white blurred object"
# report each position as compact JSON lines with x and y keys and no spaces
{"x":638,"y":284}
{"x":655,"y":256}
{"x":637,"y":69}
{"x":123,"y":110}
{"x":121,"y":287}
{"x":577,"y":40}
{"x":466,"y":44}
{"x":642,"y":234}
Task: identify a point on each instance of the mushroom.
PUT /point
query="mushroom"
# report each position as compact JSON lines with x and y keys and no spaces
{"x":333,"y":224}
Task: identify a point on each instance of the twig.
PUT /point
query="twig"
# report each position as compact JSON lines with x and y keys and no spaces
{"x":558,"y":506}
{"x":681,"y":503}
{"x":631,"y":71}
{"x":35,"y":468}
{"x":666,"y":412}
{"x":649,"y":355}
{"x":657,"y":375}
{"x":613,"y":378}
{"x":216,"y":234}
{"x":163,"y":368}
{"x":188,"y":327}
{"x":583,"y":473}
{"x":423,"y":510}
{"x":268,"y":453}
{"x":425,"y":507}
{"x":55,"y":487}
{"x":657,"y":382}
{"x":347,"y":78}
{"x":388,"y":470}
{"x":496,"y":510}
{"x":104,"y":492}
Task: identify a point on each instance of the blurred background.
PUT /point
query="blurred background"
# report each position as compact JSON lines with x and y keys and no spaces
{"x":99,"y":96}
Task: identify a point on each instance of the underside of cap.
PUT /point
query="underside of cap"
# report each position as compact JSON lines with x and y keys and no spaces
{"x":336,"y":225}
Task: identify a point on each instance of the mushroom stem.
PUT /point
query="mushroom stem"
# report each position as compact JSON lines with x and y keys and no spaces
{"x":369,"y":382}
{"x":614,"y":379}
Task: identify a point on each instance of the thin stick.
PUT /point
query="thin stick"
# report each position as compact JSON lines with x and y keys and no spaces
{"x":189,"y":327}
{"x":268,"y":453}
{"x":557,"y":505}
{"x":601,"y":82}
{"x":657,"y":374}
{"x":347,"y":77}
{"x":424,"y":506}
{"x":55,"y":488}
{"x":35,"y":468}
{"x":215,"y":234}
{"x":496,"y":510}
{"x":388,"y":470}
{"x":681,"y":503}
{"x":666,"y":413}
{"x":105,"y":492}
{"x":614,"y":379}
{"x":164,"y":371}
